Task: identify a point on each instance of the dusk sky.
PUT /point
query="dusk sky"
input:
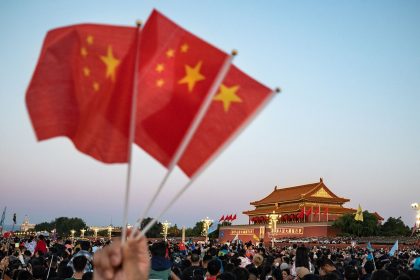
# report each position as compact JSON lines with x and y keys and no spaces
{"x":349,"y":110}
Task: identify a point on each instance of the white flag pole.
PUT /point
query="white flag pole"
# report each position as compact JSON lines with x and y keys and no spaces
{"x":190,"y":132}
{"x":205,"y":165}
{"x":131,"y":132}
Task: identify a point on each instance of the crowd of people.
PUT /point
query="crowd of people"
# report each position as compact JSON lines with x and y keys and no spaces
{"x":138,"y":258}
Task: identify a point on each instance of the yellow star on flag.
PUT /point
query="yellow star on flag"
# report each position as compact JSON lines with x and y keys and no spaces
{"x":160,"y":67}
{"x":111,"y":63}
{"x":86,"y":71}
{"x":184,"y":48}
{"x":95,"y":86}
{"x":83,"y":52}
{"x":170,"y":53}
{"x":227,"y":95}
{"x":89,"y":40}
{"x":192,"y":76}
{"x":160,"y":83}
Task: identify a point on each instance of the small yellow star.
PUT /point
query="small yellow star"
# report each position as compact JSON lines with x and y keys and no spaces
{"x":160,"y":83}
{"x":192,"y":76}
{"x":227,"y":95}
{"x":86,"y":71}
{"x":184,"y":48}
{"x":95,"y":86}
{"x":160,"y":67}
{"x":83,"y":51}
{"x":170,"y":53}
{"x":89,"y":40}
{"x":111,"y":64}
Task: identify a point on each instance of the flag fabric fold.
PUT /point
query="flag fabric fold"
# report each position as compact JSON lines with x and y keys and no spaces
{"x":393,"y":249}
{"x":359,"y":214}
{"x":83,"y":84}
{"x":237,"y":101}
{"x":82,"y":88}
{"x":213,"y":228}
{"x":222,"y":218}
{"x":301,"y":214}
{"x":177,"y":70}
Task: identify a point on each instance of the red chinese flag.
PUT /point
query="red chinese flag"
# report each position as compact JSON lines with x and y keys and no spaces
{"x":234,"y":217}
{"x":237,"y":100}
{"x":222,"y":218}
{"x":300,"y":214}
{"x":81,"y":89}
{"x":326,"y":210}
{"x":316,"y":211}
{"x":308,"y":212}
{"x":229,"y":218}
{"x":177,"y":70}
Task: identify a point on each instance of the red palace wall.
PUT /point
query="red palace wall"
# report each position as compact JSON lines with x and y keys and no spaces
{"x":255,"y":232}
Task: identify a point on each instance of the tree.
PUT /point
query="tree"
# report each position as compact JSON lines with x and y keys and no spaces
{"x":347,"y":225}
{"x":45,"y":226}
{"x":197,"y":230}
{"x":174,"y":231}
{"x":63,"y":225}
{"x":155,"y":231}
{"x":394,"y":227}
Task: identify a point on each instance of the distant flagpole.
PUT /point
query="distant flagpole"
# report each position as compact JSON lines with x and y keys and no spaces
{"x":190,"y":132}
{"x":132,"y":130}
{"x":3,"y":216}
{"x":205,"y":165}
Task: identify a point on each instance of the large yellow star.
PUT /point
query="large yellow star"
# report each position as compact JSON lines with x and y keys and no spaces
{"x":111,"y":63}
{"x":192,"y":76}
{"x":227,"y":95}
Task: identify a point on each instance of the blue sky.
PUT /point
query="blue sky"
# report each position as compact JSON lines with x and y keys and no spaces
{"x":349,"y":111}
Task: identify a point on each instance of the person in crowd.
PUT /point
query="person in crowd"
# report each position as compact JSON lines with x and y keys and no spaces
{"x":213,"y":269}
{"x":84,"y":251}
{"x":160,"y":264}
{"x":41,"y":246}
{"x":195,"y":271}
{"x":327,"y":267}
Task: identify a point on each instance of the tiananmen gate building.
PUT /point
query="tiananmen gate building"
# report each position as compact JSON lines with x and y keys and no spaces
{"x":299,"y":211}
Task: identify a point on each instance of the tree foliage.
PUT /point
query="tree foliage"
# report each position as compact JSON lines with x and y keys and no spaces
{"x":45,"y":226}
{"x":197,"y":230}
{"x":370,"y":226}
{"x":395,"y":227}
{"x":174,"y":231}
{"x":155,"y":231}
{"x":347,"y":225}
{"x":62,"y":225}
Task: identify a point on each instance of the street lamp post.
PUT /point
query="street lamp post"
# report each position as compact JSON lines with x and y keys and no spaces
{"x":273,"y":225}
{"x":72,"y":233}
{"x":165,"y":227}
{"x":95,"y":230}
{"x":206,"y":225}
{"x":109,"y":232}
{"x":416,"y":207}
{"x":82,"y":233}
